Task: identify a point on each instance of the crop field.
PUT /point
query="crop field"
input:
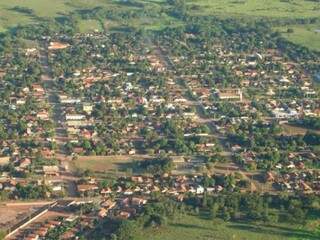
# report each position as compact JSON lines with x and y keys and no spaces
{"x":191,"y":227}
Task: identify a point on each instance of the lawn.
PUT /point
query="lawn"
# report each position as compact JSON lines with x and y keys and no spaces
{"x":191,"y":228}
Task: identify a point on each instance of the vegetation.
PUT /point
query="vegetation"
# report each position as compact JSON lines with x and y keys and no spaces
{"x":306,"y":35}
{"x":193,"y":227}
{"x":211,"y":216}
{"x":155,"y":15}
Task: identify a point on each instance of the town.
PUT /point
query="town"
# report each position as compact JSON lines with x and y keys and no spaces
{"x":97,"y":127}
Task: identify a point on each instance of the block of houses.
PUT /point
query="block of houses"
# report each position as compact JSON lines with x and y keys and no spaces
{"x":230,"y":94}
{"x":75,"y":117}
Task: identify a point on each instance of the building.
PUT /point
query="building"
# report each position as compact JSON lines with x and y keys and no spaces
{"x":230,"y":94}
{"x":75,"y":117}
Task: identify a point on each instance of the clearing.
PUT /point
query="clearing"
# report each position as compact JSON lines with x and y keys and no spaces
{"x":107,"y":163}
{"x":192,"y":227}
{"x":306,"y":35}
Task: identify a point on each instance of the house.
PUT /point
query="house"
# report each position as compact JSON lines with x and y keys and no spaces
{"x":108,"y":204}
{"x":25,"y":162}
{"x":102,"y":212}
{"x":70,"y":100}
{"x":43,"y":115}
{"x":87,"y":107}
{"x":47,"y":153}
{"x":75,"y":117}
{"x":105,"y":191}
{"x":32,"y":237}
{"x":38,"y":89}
{"x":136,"y":201}
{"x":50,"y":170}
{"x":57,"y":46}
{"x":269,"y":177}
{"x":82,"y":188}
{"x":200,"y":190}
{"x":4,"y":160}
{"x":124,"y":215}
{"x":137,"y":179}
{"x":78,"y":150}
{"x":86,"y":134}
{"x":132,"y":152}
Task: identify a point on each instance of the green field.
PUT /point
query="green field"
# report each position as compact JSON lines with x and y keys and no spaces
{"x":106,"y":163}
{"x":306,"y":35}
{"x":259,"y":8}
{"x":191,"y":228}
{"x":90,"y":26}
{"x":10,"y":16}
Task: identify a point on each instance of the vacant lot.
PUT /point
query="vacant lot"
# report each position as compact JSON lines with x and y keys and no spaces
{"x":290,"y":130}
{"x":107,"y":163}
{"x":190,"y":228}
{"x":10,"y":215}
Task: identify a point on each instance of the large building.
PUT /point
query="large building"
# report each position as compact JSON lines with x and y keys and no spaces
{"x":230,"y":94}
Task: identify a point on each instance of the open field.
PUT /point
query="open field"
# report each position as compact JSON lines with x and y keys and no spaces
{"x":15,"y":12}
{"x":106,"y":163}
{"x":306,"y":35}
{"x":190,"y":228}
{"x":290,"y":130}
{"x":259,"y":8}
{"x":10,"y":215}
{"x":89,"y":26}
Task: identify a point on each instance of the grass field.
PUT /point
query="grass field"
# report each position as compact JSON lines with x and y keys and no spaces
{"x":90,"y":26}
{"x":191,"y":228}
{"x":291,"y":130}
{"x":106,"y":163}
{"x":10,"y":16}
{"x":259,"y":8}
{"x":306,"y":35}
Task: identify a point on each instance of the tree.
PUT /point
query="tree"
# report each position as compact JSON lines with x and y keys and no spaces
{"x":290,"y":30}
{"x":126,"y":230}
